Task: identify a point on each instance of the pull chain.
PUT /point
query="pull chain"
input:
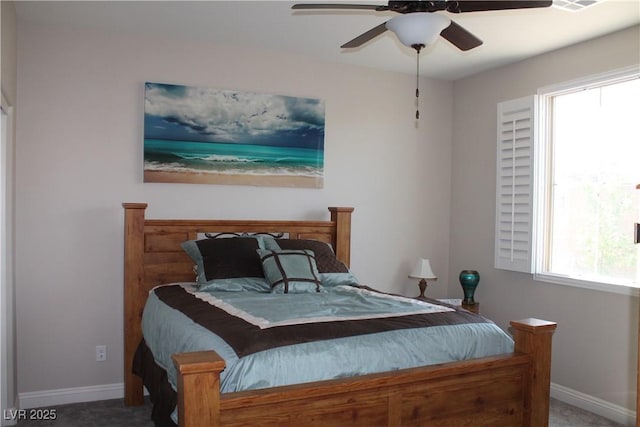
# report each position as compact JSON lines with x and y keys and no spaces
{"x":417,"y":85}
{"x":417,"y":47}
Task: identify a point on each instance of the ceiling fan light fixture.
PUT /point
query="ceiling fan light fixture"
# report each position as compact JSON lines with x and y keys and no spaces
{"x":418,"y":28}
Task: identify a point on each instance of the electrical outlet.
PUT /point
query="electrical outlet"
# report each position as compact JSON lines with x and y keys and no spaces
{"x":101,"y":353}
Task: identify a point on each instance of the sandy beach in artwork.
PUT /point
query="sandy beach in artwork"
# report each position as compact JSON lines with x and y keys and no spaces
{"x":220,"y":178}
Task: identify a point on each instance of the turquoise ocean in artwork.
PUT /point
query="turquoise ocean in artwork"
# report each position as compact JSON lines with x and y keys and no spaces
{"x":232,"y":159}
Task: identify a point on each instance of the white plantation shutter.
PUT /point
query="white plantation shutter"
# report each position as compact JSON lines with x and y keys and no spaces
{"x":514,"y":185}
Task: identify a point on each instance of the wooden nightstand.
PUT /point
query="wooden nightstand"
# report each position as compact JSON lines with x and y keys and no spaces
{"x":474,"y":308}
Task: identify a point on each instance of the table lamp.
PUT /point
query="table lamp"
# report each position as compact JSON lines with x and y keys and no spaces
{"x":422,"y":270}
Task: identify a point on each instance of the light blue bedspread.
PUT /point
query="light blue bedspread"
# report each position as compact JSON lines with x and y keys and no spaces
{"x":168,"y":331}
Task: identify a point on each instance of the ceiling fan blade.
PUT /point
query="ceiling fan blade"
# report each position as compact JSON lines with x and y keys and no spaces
{"x":460,"y":38}
{"x":484,"y":5}
{"x":315,"y":6}
{"x":365,"y":37}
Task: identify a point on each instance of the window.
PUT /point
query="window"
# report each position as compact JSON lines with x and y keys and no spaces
{"x":567,"y":174}
{"x":587,"y":174}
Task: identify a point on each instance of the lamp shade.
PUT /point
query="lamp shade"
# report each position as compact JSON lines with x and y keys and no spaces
{"x":418,"y":28}
{"x":422,"y":270}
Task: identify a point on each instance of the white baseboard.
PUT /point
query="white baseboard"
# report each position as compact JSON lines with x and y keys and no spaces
{"x":63,"y":396}
{"x":605,"y":409}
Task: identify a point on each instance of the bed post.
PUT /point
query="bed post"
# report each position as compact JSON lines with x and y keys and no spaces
{"x":133,"y":300}
{"x":342,"y":239}
{"x":198,"y":388}
{"x":533,"y":337}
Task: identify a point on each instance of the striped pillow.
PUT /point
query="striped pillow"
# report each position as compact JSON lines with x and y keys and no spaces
{"x":332,"y":271}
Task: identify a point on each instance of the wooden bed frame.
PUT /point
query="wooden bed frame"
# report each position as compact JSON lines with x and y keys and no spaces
{"x":506,"y":390}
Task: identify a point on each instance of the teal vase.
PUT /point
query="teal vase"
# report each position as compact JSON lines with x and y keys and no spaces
{"x":469,"y":280}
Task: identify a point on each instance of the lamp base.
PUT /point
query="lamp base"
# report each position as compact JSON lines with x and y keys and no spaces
{"x":423,"y":286}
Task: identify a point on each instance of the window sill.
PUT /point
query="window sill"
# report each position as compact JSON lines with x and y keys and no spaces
{"x":598,"y":286}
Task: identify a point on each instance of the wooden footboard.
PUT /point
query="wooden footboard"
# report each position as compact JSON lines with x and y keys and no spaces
{"x":506,"y":390}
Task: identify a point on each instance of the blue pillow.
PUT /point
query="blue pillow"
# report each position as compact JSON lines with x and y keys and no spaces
{"x":290,"y":271}
{"x":239,"y":284}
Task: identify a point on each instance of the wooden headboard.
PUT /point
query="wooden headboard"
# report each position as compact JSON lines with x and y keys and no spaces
{"x":153,"y":256}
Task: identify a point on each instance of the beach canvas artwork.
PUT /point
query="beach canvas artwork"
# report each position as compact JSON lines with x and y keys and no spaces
{"x":211,"y":136}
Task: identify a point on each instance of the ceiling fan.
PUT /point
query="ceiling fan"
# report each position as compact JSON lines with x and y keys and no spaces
{"x":418,"y":26}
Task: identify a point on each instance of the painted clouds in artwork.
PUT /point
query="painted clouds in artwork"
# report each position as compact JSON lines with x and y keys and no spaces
{"x":224,"y":116}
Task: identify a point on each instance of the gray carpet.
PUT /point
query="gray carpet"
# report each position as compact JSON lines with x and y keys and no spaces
{"x":105,"y":413}
{"x":113,"y":413}
{"x":563,"y":415}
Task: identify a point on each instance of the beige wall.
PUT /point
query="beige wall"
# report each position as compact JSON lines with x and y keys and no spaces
{"x":8,"y":71}
{"x":80,"y":156}
{"x":595,"y":345}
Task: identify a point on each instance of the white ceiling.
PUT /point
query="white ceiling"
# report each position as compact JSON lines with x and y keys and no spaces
{"x":508,"y":36}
